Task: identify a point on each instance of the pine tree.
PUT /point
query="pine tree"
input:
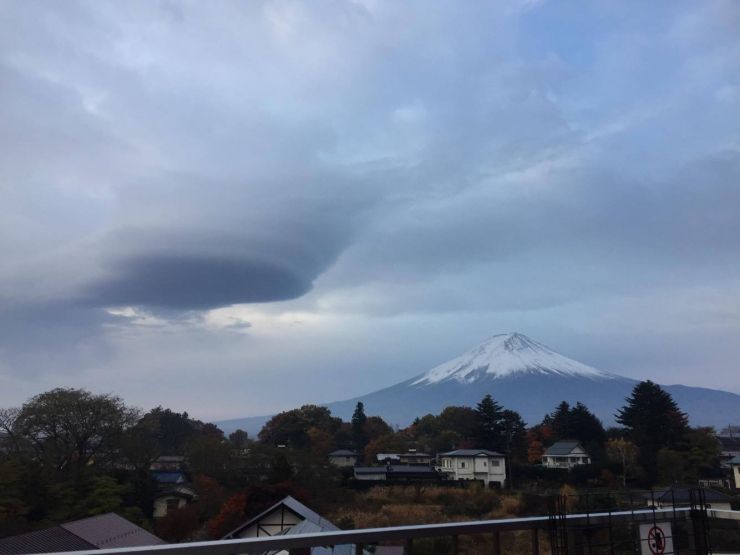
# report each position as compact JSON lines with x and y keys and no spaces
{"x":489,"y":420}
{"x":585,"y":427}
{"x":560,"y":422}
{"x":514,"y":435}
{"x":359,"y":419}
{"x":653,"y":421}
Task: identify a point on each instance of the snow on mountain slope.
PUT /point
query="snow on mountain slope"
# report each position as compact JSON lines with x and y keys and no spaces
{"x":505,"y":355}
{"x":522,"y":375}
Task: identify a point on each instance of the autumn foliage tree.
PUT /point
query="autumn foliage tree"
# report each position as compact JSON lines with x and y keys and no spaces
{"x":231,"y":515}
{"x":179,"y":524}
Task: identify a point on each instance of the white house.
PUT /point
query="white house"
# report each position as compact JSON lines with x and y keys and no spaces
{"x":343,"y":457}
{"x":285,"y":517}
{"x":565,"y":454}
{"x":172,"y":499}
{"x":474,"y":464}
{"x":735,"y":466}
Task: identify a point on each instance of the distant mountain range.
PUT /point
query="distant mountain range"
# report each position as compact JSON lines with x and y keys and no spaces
{"x":523,"y":375}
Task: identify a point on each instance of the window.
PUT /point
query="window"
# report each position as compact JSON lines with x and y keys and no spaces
{"x":495,"y":462}
{"x":462,"y":464}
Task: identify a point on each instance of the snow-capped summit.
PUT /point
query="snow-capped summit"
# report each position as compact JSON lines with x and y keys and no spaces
{"x":504,"y":355}
{"x":522,"y":375}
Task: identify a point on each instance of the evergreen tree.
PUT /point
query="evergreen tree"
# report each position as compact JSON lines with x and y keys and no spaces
{"x":560,"y":422}
{"x":653,"y":422}
{"x":489,"y":420}
{"x":359,"y":438}
{"x":514,"y":435}
{"x":585,"y":427}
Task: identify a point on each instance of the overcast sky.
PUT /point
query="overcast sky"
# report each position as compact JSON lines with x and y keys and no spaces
{"x":232,"y":208}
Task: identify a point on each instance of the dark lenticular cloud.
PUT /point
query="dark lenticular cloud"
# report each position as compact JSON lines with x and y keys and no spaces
{"x":189,"y":282}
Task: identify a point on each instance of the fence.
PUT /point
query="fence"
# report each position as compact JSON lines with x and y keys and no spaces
{"x":591,"y":523}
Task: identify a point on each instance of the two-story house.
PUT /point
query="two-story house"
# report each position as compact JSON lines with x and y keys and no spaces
{"x":565,"y":454}
{"x":474,"y":464}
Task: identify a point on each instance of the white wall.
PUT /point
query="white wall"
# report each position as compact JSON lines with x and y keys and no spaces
{"x":270,"y":524}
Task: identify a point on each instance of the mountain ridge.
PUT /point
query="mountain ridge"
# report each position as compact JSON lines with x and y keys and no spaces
{"x":523,"y":375}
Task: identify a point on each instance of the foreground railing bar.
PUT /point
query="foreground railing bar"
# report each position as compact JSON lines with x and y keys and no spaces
{"x":722,"y":514}
{"x":374,"y":535}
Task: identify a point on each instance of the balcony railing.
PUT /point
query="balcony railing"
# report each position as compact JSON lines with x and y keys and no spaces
{"x":301,"y":543}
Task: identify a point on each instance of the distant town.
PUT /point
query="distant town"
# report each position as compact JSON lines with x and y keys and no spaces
{"x":69,"y":456}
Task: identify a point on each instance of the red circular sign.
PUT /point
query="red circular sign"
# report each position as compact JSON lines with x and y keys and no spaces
{"x":656,"y":540}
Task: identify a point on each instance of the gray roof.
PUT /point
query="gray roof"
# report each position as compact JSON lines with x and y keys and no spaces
{"x":394,"y":468}
{"x":97,"y":532}
{"x":401,"y":468}
{"x":735,"y":460}
{"x":110,"y":530}
{"x":51,"y":540}
{"x":293,"y":505}
{"x":729,"y":444}
{"x":342,"y":453}
{"x":310,"y":527}
{"x":370,"y":470}
{"x":168,"y":476}
{"x":471,"y":453}
{"x":564,"y":447}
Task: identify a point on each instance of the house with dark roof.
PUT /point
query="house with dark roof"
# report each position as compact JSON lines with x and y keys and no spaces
{"x":168,"y":478}
{"x":398,"y":473}
{"x":343,"y":458}
{"x":474,"y":464}
{"x":565,"y":454}
{"x":729,"y":448}
{"x":289,"y":516}
{"x":104,"y":531}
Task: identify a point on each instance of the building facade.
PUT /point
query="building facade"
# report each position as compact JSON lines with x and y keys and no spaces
{"x":565,"y":454}
{"x":474,"y":464}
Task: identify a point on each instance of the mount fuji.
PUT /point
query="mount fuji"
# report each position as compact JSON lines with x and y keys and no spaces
{"x":523,"y":375}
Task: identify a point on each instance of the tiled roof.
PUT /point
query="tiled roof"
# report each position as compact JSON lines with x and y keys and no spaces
{"x":564,"y":447}
{"x":102,"y":531}
{"x":471,"y":453}
{"x":729,"y":444}
{"x":51,"y":540}
{"x":168,"y":477}
{"x":370,"y":470}
{"x":111,"y":530}
{"x":395,"y":468}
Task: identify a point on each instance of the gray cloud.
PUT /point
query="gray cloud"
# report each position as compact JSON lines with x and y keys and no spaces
{"x":366,"y":160}
{"x":192,"y":282}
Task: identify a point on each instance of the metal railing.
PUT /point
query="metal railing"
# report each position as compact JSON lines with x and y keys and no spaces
{"x":371,"y":536}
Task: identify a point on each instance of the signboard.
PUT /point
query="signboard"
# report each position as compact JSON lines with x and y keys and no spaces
{"x":656,"y":539}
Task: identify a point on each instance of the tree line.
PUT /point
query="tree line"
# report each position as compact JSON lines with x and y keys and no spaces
{"x":69,"y":453}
